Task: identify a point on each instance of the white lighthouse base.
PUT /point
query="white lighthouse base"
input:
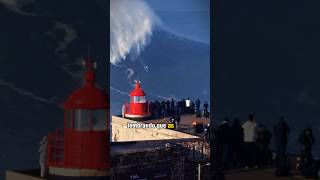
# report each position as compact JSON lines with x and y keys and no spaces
{"x":57,"y":173}
{"x":136,"y":117}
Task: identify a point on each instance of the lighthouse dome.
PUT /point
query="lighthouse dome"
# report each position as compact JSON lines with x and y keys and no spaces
{"x":88,"y":96}
{"x":137,"y":91}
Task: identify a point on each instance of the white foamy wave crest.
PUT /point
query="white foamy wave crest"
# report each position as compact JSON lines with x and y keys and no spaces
{"x":131,"y":23}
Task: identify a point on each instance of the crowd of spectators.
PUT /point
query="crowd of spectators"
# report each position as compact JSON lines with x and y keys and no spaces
{"x":165,"y":108}
{"x":248,"y":145}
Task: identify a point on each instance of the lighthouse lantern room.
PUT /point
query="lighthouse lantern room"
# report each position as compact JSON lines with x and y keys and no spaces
{"x":138,"y":108}
{"x":83,"y":151}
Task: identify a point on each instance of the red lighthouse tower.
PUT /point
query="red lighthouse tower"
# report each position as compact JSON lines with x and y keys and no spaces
{"x":138,"y":108}
{"x":83,"y":152}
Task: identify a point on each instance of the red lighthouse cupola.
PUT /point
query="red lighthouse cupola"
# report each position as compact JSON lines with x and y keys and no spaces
{"x":86,"y":133}
{"x":138,"y":108}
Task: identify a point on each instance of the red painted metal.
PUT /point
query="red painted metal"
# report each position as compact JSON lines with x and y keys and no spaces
{"x":82,"y":148}
{"x":139,"y":108}
{"x":88,"y":96}
{"x":55,"y":149}
{"x":137,"y":90}
{"x":86,"y":149}
{"x":142,"y":109}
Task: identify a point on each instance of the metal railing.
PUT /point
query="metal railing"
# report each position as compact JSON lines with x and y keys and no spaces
{"x":127,"y":109}
{"x":55,"y":148}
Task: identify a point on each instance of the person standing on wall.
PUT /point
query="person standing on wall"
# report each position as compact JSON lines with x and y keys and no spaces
{"x":306,"y":139}
{"x":236,"y":143}
{"x":198,"y":102}
{"x":225,"y":139}
{"x":281,"y":131}
{"x":205,"y":111}
{"x":250,"y":134}
{"x":188,"y":106}
{"x":172,"y":107}
{"x":263,"y":142}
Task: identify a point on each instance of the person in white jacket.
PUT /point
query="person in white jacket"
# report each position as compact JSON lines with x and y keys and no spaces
{"x":188,"y":105}
{"x":250,"y":130}
{"x":43,"y":147}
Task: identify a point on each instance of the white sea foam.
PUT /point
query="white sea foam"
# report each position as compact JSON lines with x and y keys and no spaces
{"x":131,"y":23}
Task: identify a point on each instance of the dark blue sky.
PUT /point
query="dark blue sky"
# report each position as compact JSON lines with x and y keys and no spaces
{"x":189,"y":18}
{"x":180,"y":5}
{"x":35,"y":79}
{"x":267,"y":62}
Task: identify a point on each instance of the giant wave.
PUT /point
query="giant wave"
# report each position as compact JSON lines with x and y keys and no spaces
{"x":131,"y":24}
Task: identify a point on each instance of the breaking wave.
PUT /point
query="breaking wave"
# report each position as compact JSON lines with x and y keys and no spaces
{"x":131,"y":23}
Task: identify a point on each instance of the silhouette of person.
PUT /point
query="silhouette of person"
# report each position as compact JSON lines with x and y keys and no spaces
{"x":157,"y":109}
{"x":306,"y":139}
{"x":281,"y":130}
{"x":215,"y":139}
{"x":224,"y":130}
{"x":205,"y":111}
{"x":191,"y":107}
{"x":163,"y":109}
{"x":198,"y":102}
{"x":184,"y":107}
{"x":172,"y":106}
{"x":250,"y":135}
{"x":178,"y":119}
{"x":172,"y":119}
{"x":236,"y":134}
{"x":188,"y":105}
{"x":263,"y":142}
{"x":168,"y":107}
{"x":180,"y":107}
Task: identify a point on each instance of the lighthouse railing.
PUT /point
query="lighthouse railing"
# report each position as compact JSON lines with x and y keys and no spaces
{"x":55,"y":149}
{"x":127,"y":109}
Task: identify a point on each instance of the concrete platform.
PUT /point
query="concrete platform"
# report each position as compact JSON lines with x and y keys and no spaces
{"x":122,"y":133}
{"x":187,"y":123}
{"x":33,"y":174}
{"x":239,"y":174}
{"x":259,"y":174}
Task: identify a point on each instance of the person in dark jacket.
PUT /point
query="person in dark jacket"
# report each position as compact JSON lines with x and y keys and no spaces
{"x":225,"y":137}
{"x":168,"y":109}
{"x":178,"y":107}
{"x":236,"y":142}
{"x":177,"y":117}
{"x":183,"y":105}
{"x":157,"y":109}
{"x":281,"y":131}
{"x":205,"y":111}
{"x":163,"y":109}
{"x":198,"y":102}
{"x":192,"y":110}
{"x":306,"y":139}
{"x":263,"y":143}
{"x":172,"y":106}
